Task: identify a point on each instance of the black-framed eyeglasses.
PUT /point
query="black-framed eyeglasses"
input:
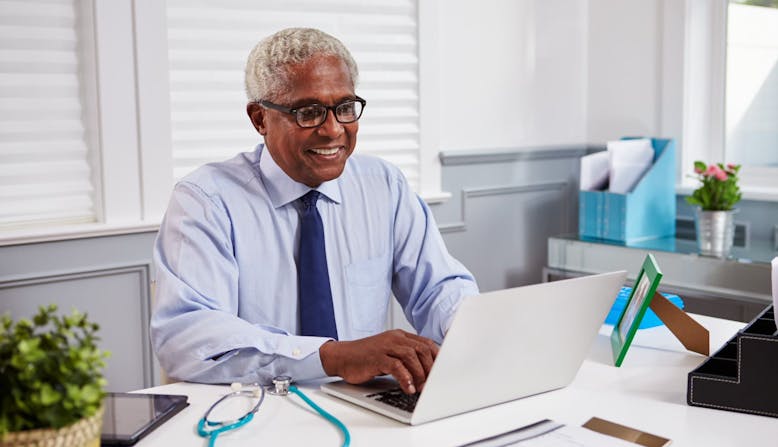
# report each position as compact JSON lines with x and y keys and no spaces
{"x":313,"y":115}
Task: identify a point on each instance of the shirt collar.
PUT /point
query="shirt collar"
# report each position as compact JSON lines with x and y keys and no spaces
{"x":282,"y":189}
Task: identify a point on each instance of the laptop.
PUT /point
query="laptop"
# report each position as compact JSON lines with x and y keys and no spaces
{"x":501,"y":346}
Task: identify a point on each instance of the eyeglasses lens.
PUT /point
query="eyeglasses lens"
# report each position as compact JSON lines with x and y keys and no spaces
{"x":348,"y":111}
{"x":314,"y":115}
{"x":311,"y":116}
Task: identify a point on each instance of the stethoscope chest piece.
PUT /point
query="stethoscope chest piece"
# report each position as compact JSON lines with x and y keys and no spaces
{"x":280,"y":386}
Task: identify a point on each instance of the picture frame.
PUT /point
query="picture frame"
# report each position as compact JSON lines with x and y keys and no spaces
{"x":639,"y":301}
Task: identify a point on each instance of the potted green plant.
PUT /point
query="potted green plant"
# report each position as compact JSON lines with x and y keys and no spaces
{"x":715,"y":200}
{"x":51,"y":380}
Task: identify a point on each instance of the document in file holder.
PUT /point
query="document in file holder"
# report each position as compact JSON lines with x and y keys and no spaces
{"x":629,"y":160}
{"x":595,"y":171}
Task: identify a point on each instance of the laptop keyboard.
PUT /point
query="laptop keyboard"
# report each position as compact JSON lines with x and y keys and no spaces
{"x":396,"y":398}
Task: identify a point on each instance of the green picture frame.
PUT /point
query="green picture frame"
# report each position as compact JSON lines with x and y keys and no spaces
{"x":639,"y":300}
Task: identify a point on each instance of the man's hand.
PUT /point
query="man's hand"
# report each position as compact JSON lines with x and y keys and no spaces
{"x":405,"y":356}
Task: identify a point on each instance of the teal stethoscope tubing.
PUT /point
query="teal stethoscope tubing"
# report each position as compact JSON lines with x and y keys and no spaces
{"x":335,"y":421}
{"x":204,"y":424}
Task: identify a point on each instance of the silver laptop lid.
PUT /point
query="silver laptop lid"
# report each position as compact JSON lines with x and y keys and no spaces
{"x":512,"y":343}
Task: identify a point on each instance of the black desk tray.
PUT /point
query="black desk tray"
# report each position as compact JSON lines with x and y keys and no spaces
{"x":743,"y":375}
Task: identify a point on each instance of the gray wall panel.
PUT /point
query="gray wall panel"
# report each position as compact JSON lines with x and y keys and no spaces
{"x":503,"y":208}
{"x":115,"y":299}
{"x":107,"y":277}
{"x":502,"y":238}
{"x":24,"y":260}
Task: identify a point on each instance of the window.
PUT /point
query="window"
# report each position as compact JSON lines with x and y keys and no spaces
{"x":208,"y":46}
{"x":46,"y":130}
{"x":752,"y":83}
{"x":730,"y":91}
{"x":133,"y":94}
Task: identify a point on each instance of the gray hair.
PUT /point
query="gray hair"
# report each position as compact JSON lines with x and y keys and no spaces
{"x":269,"y":64}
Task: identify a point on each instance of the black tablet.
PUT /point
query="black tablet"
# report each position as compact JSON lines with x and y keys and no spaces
{"x":129,"y":417}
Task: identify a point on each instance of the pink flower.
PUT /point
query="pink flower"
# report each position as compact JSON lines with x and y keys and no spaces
{"x":715,"y":171}
{"x":718,"y":190}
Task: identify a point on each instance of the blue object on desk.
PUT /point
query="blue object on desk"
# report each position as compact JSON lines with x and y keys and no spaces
{"x":649,"y":319}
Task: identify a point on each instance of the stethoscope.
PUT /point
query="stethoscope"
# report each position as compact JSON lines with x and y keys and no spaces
{"x":282,"y":386}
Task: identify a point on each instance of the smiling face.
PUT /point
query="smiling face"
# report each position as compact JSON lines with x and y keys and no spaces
{"x":310,"y":155}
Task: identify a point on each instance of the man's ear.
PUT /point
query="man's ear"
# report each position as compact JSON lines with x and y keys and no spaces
{"x":257,"y":116}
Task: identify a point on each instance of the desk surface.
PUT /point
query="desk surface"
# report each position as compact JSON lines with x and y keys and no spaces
{"x":648,"y":392}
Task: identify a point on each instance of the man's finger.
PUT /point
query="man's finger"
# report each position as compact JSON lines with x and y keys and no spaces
{"x":426,"y":358}
{"x":431,"y":345}
{"x":410,"y":359}
{"x":397,"y":369}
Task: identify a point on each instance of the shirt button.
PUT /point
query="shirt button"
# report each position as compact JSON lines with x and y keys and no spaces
{"x":296,"y":352}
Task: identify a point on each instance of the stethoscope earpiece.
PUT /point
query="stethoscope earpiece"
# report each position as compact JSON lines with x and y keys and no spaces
{"x":254,"y":389}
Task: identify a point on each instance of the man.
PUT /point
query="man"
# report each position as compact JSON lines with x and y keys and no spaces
{"x":257,"y":276}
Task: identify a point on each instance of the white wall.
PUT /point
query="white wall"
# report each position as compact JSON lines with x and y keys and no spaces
{"x":625,"y":69}
{"x":512,"y":73}
{"x":533,"y":72}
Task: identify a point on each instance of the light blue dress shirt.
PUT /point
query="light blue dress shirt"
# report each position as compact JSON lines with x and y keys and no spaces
{"x":226,"y":277}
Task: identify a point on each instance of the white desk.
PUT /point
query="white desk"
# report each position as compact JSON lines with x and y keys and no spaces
{"x":648,"y":392}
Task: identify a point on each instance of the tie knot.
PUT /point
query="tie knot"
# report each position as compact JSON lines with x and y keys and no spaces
{"x":309,"y":199}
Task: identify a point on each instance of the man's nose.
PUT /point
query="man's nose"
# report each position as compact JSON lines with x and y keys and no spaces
{"x":330,"y":127}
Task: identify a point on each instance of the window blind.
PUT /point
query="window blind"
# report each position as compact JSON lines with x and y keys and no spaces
{"x":209,"y":42}
{"x":45,"y":173}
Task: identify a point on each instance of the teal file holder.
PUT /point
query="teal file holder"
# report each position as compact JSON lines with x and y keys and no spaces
{"x":647,"y":212}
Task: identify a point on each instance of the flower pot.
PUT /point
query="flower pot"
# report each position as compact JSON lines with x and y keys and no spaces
{"x":83,"y":433}
{"x":715,"y":232}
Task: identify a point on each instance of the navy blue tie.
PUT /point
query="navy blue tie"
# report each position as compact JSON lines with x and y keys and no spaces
{"x":317,"y":317}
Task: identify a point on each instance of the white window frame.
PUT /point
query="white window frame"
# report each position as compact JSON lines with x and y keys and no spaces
{"x":429,"y":102}
{"x":703,"y":96}
{"x":110,"y":93}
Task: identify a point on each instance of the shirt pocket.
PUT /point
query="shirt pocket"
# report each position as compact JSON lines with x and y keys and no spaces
{"x":368,"y":287}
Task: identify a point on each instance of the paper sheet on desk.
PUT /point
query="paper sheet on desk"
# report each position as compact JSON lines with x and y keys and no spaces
{"x":549,"y":433}
{"x":571,"y":436}
{"x":629,"y":160}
